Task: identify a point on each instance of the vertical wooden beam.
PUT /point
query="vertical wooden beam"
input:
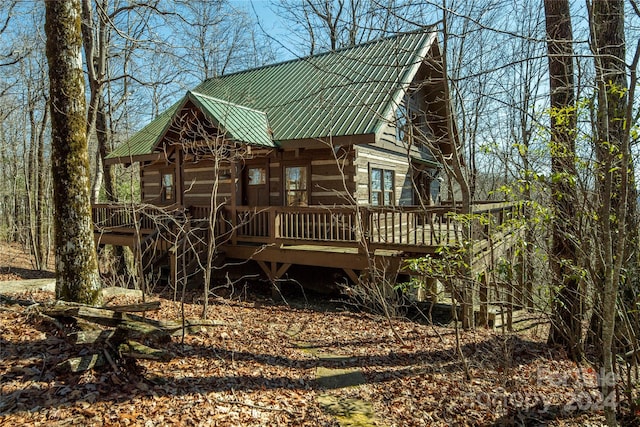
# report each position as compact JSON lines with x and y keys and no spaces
{"x":276,"y":287}
{"x":179,"y":168}
{"x":274,"y":224}
{"x":266,"y":269}
{"x":234,"y":202}
{"x":483,"y":317}
{"x":365,"y":221}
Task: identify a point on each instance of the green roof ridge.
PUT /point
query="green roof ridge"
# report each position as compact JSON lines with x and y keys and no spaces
{"x":422,"y":30}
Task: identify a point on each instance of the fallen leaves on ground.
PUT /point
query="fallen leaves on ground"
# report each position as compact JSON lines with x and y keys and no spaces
{"x":253,"y":372}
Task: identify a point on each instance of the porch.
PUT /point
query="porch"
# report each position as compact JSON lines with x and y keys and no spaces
{"x":346,"y":237}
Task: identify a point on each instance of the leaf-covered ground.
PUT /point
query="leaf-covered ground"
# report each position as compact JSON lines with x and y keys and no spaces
{"x":272,"y":364}
{"x":15,"y":264}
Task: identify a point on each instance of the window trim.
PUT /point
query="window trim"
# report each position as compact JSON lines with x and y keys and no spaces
{"x":265,"y":175}
{"x":306,"y":190}
{"x":163,"y":187}
{"x":382,"y":192}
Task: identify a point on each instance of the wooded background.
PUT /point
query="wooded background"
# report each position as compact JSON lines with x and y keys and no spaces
{"x":544,"y":98}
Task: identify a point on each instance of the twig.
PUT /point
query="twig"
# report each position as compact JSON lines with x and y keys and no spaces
{"x":53,"y":321}
{"x":251,"y":405}
{"x":109,"y":359}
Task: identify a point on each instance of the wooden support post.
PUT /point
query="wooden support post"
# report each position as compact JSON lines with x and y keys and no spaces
{"x":365,"y":221}
{"x":355,"y":278}
{"x":234,"y":204}
{"x":266,"y":269}
{"x":468,"y":294}
{"x":276,"y":286}
{"x":274,"y":225}
{"x":274,"y":272}
{"x":483,"y":317}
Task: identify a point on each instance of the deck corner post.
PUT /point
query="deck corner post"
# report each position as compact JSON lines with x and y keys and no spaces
{"x":274,"y":224}
{"x":365,"y":222}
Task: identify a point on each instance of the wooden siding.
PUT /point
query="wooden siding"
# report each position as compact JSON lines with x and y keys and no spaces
{"x":199,"y":181}
{"x":370,"y":156}
{"x":150,"y":184}
{"x":331,"y":183}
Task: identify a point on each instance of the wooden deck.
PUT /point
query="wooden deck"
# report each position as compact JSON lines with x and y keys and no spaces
{"x":354,"y":239}
{"x":346,"y":237}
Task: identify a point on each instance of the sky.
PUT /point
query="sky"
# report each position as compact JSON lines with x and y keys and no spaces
{"x":271,"y":24}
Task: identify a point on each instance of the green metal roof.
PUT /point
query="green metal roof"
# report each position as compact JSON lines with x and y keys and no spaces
{"x":239,"y":123}
{"x":352,"y":91}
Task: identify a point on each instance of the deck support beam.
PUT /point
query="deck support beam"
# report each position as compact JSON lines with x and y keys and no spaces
{"x":273,"y":271}
{"x":355,"y":278}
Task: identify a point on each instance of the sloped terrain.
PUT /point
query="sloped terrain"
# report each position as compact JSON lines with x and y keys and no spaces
{"x":279,"y":365}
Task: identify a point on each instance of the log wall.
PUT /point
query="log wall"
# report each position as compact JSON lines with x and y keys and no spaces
{"x":332,"y":182}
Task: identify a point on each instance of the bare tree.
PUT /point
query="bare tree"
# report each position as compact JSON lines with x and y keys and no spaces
{"x":77,"y":277}
{"x":322,"y":25}
{"x":616,"y":228}
{"x":216,"y":38}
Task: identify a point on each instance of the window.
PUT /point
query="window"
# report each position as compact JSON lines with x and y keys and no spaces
{"x":295,"y":186}
{"x":402,"y":122}
{"x":168,"y":186}
{"x":257,"y":176}
{"x":381,"y":187}
{"x":410,"y":119}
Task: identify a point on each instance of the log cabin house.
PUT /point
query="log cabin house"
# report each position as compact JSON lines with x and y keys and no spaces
{"x":327,"y":161}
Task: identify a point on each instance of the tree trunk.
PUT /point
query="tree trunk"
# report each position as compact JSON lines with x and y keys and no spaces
{"x":42,"y":248}
{"x":77,"y":276}
{"x":617,"y":227}
{"x":566,"y":327}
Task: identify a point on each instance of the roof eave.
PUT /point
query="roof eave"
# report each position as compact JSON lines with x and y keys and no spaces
{"x":129,"y":160}
{"x":328,"y":141}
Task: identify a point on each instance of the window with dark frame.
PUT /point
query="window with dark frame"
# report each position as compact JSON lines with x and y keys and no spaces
{"x":257,"y":176}
{"x":381,"y":187}
{"x":295,"y":183}
{"x":168,"y":187}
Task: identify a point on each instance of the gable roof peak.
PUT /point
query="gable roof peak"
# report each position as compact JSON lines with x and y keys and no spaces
{"x":348,"y":92}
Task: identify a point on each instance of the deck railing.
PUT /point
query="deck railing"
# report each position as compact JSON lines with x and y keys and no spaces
{"x":126,"y":218}
{"x":398,"y":226}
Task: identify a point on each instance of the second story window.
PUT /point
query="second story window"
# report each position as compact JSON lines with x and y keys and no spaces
{"x":402,"y":120}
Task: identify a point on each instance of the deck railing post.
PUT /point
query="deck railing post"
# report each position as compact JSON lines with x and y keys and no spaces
{"x":234,"y":225}
{"x":274,"y":225}
{"x":365,"y":222}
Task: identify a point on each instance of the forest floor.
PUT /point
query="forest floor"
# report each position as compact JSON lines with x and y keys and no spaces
{"x":300,"y":364}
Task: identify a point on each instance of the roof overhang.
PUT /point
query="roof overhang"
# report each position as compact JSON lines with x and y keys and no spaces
{"x":425,"y":162}
{"x":329,"y":141}
{"x":129,"y":160}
